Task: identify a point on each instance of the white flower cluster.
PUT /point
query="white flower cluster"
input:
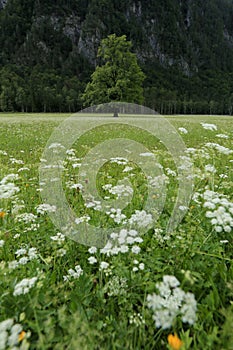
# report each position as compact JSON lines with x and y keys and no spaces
{"x":171,"y":172}
{"x":186,"y":163}
{"x":171,"y":302}
{"x":73,"y":273}
{"x":220,"y":211}
{"x":141,"y":218}
{"x":59,"y":238}
{"x":24,"y":286}
{"x":219,"y":148}
{"x":56,"y":147}
{"x":158,"y":181}
{"x":23,"y":169}
{"x":117,"y":215}
{"x":119,"y":190}
{"x":2,"y":242}
{"x":119,"y":160}
{"x":45,"y":208}
{"x":7,"y":187}
{"x":17,"y":206}
{"x":26,"y":218}
{"x":138,"y":266}
{"x":92,"y":260}
{"x":71,"y":152}
{"x":127,"y":169}
{"x":74,"y":186}
{"x":209,"y":168}
{"x":207,"y":126}
{"x":24,"y":255}
{"x":81,"y":219}
{"x":121,"y":241}
{"x":183,"y":130}
{"x":222,"y":136}
{"x":76,"y":165}
{"x":9,"y":334}
{"x":94,"y":204}
{"x":104,"y":265}
{"x":16,"y":161}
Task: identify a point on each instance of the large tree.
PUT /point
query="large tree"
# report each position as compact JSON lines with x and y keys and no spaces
{"x":118,"y":77}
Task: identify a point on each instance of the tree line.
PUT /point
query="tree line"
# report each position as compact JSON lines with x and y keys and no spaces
{"x":46,"y":90}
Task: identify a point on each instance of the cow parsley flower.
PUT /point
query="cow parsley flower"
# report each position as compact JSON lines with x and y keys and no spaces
{"x":92,"y":250}
{"x":26,"y":218}
{"x":73,"y":273}
{"x":171,"y":302}
{"x":141,"y":218}
{"x":24,"y":286}
{"x":219,"y":148}
{"x":207,"y":126}
{"x":104,"y":265}
{"x":121,"y":241}
{"x":84,"y":218}
{"x":183,"y":130}
{"x":59,"y":238}
{"x":11,"y":335}
{"x":92,"y":260}
{"x":7,"y":189}
{"x":45,"y":208}
{"x":219,"y":211}
{"x":210,"y":168}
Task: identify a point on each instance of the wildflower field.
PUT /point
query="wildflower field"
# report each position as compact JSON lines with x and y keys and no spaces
{"x":143,"y":289}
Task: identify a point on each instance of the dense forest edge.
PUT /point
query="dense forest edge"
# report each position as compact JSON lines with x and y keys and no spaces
{"x":49,"y":51}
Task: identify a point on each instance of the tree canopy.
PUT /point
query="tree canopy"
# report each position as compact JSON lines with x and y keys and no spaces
{"x":118,"y":76}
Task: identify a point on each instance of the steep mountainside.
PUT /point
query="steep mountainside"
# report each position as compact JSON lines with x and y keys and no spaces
{"x":185,"y":47}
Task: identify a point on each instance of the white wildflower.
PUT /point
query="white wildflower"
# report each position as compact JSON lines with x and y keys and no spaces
{"x":92,"y":260}
{"x":171,"y":302}
{"x":183,"y":130}
{"x":45,"y":208}
{"x":136,"y":249}
{"x":92,"y":250}
{"x":73,"y":273}
{"x":207,"y":126}
{"x":84,"y":218}
{"x":24,"y":286}
{"x":141,"y":218}
{"x":104,"y":265}
{"x":210,"y":168}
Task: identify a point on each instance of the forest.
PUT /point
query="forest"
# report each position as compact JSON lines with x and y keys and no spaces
{"x":49,"y":51}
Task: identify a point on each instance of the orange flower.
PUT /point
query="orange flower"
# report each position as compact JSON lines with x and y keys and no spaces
{"x":22,"y":335}
{"x":174,"y":342}
{"x":2,"y":214}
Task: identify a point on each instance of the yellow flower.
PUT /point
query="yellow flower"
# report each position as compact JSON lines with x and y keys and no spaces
{"x":22,"y":336}
{"x":174,"y":341}
{"x":2,"y":214}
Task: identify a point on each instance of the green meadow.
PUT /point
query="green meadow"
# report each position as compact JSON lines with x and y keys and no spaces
{"x":143,"y":289}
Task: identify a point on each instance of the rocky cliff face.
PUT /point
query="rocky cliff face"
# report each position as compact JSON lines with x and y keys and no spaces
{"x":187,"y":34}
{"x":3,"y":4}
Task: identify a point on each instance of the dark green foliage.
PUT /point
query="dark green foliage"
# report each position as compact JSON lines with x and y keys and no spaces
{"x":118,"y":77}
{"x":185,"y":48}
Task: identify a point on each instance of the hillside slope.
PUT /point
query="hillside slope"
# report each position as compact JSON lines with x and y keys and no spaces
{"x":185,"y":47}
